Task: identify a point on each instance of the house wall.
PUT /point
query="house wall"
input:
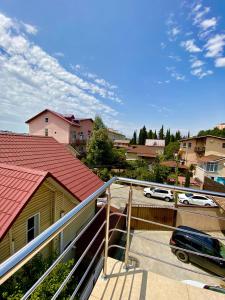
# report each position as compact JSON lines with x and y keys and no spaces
{"x":201,"y":222}
{"x":86,"y":126}
{"x":50,"y":201}
{"x":131,"y":156}
{"x":214,"y":146}
{"x":57,"y":128}
{"x":188,"y":154}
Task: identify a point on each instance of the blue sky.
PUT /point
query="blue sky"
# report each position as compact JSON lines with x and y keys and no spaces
{"x":132,"y":62}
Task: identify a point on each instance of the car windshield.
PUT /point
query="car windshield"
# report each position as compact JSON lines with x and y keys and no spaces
{"x":222,"y":249}
{"x":188,"y":194}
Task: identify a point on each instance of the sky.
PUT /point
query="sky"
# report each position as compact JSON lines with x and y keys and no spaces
{"x":132,"y":62}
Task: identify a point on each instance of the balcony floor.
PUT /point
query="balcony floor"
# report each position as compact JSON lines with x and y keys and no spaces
{"x":139,"y":284}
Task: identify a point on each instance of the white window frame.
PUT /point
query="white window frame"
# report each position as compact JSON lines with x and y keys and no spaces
{"x":38,"y":215}
{"x":212,"y":167}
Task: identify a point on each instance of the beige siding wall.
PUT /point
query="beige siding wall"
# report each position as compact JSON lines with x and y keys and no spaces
{"x":50,"y":200}
{"x":215,"y":146}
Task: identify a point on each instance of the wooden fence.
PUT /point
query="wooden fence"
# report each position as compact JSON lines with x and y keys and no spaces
{"x":158,"y":214}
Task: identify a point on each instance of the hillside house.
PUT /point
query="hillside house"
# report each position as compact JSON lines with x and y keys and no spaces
{"x":194,"y":148}
{"x":40,"y":181}
{"x":66,"y":129}
{"x":115,"y":135}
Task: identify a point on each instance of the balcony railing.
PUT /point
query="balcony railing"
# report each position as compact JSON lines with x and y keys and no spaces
{"x":200,"y":150}
{"x":16,"y":261}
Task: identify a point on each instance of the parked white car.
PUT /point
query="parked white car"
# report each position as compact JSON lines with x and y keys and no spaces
{"x":194,"y":199}
{"x":215,"y":288}
{"x":166,"y":195}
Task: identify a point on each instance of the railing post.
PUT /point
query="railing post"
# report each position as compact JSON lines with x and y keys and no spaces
{"x":107,"y":233}
{"x":129,"y":207}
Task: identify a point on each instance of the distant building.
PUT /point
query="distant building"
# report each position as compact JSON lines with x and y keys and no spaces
{"x":115,"y":135}
{"x":66,"y":129}
{"x":146,"y":153}
{"x":121,"y":143}
{"x":155,"y":143}
{"x":221,"y":126}
{"x":194,"y":148}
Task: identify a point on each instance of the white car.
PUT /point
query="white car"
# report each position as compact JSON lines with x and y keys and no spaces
{"x":166,"y":195}
{"x":201,"y":285}
{"x":194,"y":199}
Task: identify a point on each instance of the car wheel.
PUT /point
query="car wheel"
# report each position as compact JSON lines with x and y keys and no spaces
{"x":167,"y":199}
{"x":148,"y":195}
{"x":182,"y":256}
{"x":207,"y":204}
{"x":186,"y":202}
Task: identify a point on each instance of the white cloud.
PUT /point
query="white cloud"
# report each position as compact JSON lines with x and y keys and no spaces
{"x":174,"y":74}
{"x":200,"y":73}
{"x":58,"y":54}
{"x":175,"y":57}
{"x":30,"y":28}
{"x":214,"y":45}
{"x":190,"y":46}
{"x":197,"y":63}
{"x":31,"y":79}
{"x":207,"y":23}
{"x":220,"y":62}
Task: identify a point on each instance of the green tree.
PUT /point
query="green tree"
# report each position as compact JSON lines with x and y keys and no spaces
{"x":187,"y":179}
{"x":167,"y":138}
{"x":161,"y":133}
{"x":16,"y":286}
{"x":178,"y":135}
{"x":100,"y":147}
{"x":142,"y":136}
{"x":150,"y":134}
{"x":171,"y":149}
{"x":98,"y":124}
{"x":215,"y":131}
{"x":155,"y":135}
{"x":134,"y":138}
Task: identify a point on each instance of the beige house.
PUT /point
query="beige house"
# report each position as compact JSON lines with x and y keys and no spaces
{"x":115,"y":135}
{"x":121,"y":143}
{"x":211,"y":166}
{"x":194,"y":148}
{"x":147,"y":153}
{"x":40,"y":181}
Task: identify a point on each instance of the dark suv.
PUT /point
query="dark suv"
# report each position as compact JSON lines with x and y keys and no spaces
{"x":206,"y":245}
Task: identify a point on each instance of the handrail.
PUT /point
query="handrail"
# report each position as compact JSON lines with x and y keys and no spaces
{"x":16,"y":261}
{"x":169,"y":186}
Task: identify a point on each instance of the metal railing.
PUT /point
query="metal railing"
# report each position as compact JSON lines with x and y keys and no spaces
{"x":16,"y":261}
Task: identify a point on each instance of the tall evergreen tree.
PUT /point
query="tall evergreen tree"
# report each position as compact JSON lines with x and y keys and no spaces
{"x":145,"y":135}
{"x":172,"y":138}
{"x":167,"y":138}
{"x":155,"y":135}
{"x":178,"y":135}
{"x":134,"y":138}
{"x":150,"y":134}
{"x":142,"y":136}
{"x":161,"y":133}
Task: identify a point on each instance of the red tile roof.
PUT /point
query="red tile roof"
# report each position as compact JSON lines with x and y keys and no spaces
{"x":173,"y":164}
{"x":46,"y":154}
{"x":66,"y":118}
{"x":17,"y":185}
{"x":211,"y":158}
{"x":144,"y":151}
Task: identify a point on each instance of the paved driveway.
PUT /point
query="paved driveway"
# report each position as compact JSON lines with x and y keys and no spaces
{"x":120,"y":196}
{"x":163,"y":252}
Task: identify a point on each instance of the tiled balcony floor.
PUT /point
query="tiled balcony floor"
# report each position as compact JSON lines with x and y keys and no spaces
{"x":139,"y":284}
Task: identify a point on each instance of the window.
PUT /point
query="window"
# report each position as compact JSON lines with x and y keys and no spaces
{"x":189,"y":145}
{"x":184,"y":145}
{"x":212,"y":167}
{"x":33,"y":227}
{"x":46,"y":131}
{"x":223,"y":145}
{"x":46,"y":120}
